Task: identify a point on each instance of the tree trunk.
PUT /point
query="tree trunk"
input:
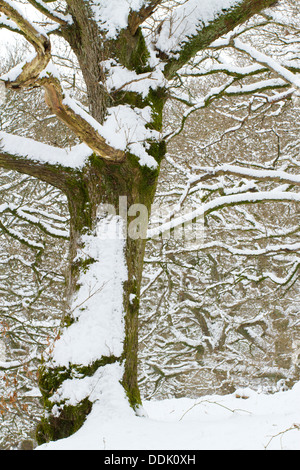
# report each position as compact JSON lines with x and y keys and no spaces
{"x":99,"y":338}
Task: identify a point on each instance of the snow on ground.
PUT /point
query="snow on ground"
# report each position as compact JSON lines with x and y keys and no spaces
{"x":244,"y":420}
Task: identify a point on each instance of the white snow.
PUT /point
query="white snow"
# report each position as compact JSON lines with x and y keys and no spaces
{"x":43,"y":153}
{"x":121,"y":78}
{"x":97,"y":308}
{"x":244,"y":420}
{"x":125,"y":128}
{"x":105,"y":383}
{"x":112,"y":15}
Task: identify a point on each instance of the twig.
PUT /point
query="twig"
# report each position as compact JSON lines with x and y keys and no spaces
{"x":291,"y":428}
{"x":214,"y":403}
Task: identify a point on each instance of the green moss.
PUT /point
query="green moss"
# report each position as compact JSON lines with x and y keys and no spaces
{"x":49,"y":381}
{"x":88,"y":371}
{"x":68,"y":320}
{"x":129,"y":381}
{"x":133,"y":395}
{"x":84,"y":264}
{"x":156,"y":99}
{"x":70,"y":418}
{"x":129,"y":97}
{"x":67,"y":423}
{"x":131,"y":51}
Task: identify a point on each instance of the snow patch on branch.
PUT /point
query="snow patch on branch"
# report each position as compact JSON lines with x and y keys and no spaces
{"x":125,"y":129}
{"x":112,"y":15}
{"x":8,"y":23}
{"x":16,"y":71}
{"x":30,"y":149}
{"x":120,"y":78}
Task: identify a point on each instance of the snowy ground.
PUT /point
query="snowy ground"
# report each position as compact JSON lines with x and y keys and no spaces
{"x":244,"y":420}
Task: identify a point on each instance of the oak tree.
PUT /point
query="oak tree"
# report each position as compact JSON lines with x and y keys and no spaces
{"x":127,"y":53}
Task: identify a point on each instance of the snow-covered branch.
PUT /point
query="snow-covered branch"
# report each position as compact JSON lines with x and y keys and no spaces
{"x":267,"y":61}
{"x":40,"y":160}
{"x":35,"y":71}
{"x":25,"y":214}
{"x":77,"y":119}
{"x":20,"y":238}
{"x":53,"y":15}
{"x":234,"y":170}
{"x":194,"y":25}
{"x":221,"y":202}
{"x":270,"y":250}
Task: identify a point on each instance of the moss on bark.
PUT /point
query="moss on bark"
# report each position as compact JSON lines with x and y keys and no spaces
{"x":67,"y":423}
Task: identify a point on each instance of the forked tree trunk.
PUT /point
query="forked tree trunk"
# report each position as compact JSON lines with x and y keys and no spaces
{"x":99,"y":340}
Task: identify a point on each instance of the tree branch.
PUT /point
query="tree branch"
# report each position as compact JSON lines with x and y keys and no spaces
{"x":29,"y":71}
{"x":221,"y":202}
{"x":32,"y":219}
{"x":195,"y":34}
{"x":79,"y":121}
{"x":34,"y":72}
{"x":51,"y":14}
{"x":261,"y":175}
{"x":271,"y":64}
{"x":136,"y":18}
{"x":33,"y":160}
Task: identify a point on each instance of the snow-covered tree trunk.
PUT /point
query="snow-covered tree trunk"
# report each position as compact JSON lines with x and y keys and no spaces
{"x":108,"y":207}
